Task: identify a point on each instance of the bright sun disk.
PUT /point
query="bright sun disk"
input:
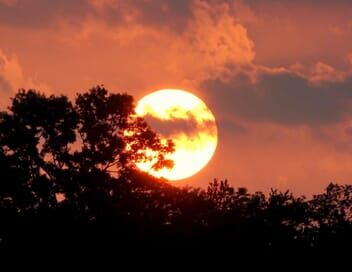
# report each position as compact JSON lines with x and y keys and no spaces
{"x":193,"y":150}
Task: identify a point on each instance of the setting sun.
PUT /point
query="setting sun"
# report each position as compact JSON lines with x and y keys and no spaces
{"x":195,"y":146}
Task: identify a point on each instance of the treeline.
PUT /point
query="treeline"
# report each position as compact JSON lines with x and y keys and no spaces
{"x":67,"y":179}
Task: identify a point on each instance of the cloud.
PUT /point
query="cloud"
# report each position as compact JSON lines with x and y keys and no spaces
{"x":12,"y":78}
{"x":172,"y":127}
{"x":325,"y":73}
{"x":320,"y":73}
{"x":283,"y":2}
{"x":209,"y":41}
{"x":9,"y":74}
{"x":5,"y":90}
{"x":216,"y":39}
{"x":160,"y":13}
{"x":148,"y":44}
{"x":41,"y":13}
{"x":175,"y":126}
{"x":47,"y":13}
{"x":10,"y":70}
{"x":8,"y":2}
{"x":213,"y":41}
{"x":283,"y":98}
{"x":308,"y":33}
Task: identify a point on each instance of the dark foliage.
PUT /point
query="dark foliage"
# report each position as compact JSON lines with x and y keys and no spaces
{"x":67,"y":179}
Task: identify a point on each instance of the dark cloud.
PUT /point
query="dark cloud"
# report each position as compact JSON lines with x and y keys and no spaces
{"x":175,"y":14}
{"x":230,"y":126}
{"x":283,"y":98}
{"x":171,"y":127}
{"x":188,"y":126}
{"x":283,"y":2}
{"x":42,"y":13}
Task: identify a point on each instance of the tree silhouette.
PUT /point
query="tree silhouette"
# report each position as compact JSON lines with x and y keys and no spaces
{"x":50,"y":147}
{"x":67,"y":172}
{"x":113,"y":136}
{"x":34,"y":146}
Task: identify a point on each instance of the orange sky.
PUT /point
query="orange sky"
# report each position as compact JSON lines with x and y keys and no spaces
{"x":276,"y":74}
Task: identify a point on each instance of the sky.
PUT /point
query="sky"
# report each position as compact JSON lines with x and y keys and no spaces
{"x":277,"y":75}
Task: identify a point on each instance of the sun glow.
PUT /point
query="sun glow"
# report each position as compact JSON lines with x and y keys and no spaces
{"x":193,"y":148}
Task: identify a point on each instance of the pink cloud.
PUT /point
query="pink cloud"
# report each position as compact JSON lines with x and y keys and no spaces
{"x":11,"y":72}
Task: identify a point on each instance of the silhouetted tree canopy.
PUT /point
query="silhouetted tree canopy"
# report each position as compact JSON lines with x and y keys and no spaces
{"x":67,"y":173}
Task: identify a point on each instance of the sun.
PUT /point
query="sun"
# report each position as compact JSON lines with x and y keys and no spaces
{"x":186,"y":119}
